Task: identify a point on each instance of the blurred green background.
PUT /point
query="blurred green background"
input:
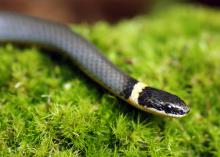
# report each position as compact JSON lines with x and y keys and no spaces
{"x":90,"y":11}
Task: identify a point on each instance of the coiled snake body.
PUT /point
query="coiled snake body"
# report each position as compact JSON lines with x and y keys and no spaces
{"x":22,"y":28}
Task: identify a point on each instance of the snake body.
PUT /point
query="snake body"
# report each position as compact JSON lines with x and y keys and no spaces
{"x":16,"y":27}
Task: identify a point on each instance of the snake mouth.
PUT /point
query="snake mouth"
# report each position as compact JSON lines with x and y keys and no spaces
{"x":167,"y":110}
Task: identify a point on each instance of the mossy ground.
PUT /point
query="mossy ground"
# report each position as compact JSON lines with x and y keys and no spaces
{"x":48,"y":108}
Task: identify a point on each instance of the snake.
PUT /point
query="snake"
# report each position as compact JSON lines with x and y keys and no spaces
{"x":21,"y":28}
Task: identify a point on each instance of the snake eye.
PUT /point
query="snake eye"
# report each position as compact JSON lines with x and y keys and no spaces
{"x":177,"y":108}
{"x":169,"y":106}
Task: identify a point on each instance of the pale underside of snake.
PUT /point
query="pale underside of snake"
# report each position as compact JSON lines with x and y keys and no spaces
{"x":16,"y":27}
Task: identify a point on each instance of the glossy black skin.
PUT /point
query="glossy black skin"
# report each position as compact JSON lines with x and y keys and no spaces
{"x":16,"y":27}
{"x":162,"y":101}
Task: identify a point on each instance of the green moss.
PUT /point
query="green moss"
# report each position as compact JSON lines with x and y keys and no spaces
{"x":47,"y":107}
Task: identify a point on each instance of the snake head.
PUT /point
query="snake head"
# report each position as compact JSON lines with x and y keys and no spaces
{"x":162,"y":103}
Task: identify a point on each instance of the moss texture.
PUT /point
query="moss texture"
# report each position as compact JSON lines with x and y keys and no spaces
{"x":48,"y":108}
